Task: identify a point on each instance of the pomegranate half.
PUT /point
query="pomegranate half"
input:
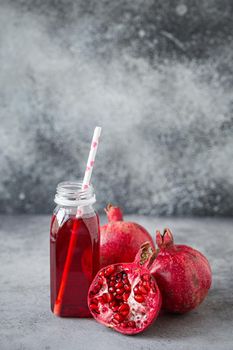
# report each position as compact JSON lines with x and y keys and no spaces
{"x":125,"y":296}
{"x":120,"y":240}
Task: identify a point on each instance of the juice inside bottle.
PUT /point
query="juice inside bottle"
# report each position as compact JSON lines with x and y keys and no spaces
{"x":74,"y":260}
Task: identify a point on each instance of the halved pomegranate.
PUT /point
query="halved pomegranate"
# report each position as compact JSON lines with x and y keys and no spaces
{"x":125,"y":296}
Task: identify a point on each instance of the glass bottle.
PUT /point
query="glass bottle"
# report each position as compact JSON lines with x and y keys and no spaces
{"x":74,"y":249}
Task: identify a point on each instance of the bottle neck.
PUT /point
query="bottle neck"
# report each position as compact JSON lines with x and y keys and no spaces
{"x":71,"y":194}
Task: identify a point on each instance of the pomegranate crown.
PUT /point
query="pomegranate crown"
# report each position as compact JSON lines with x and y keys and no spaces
{"x":164,"y":240}
{"x":113,"y":213}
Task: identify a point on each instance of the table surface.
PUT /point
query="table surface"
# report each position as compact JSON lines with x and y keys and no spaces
{"x":26,"y":321}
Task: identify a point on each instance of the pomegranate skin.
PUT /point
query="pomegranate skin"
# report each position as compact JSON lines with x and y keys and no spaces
{"x":125,"y":296}
{"x":183,"y":274}
{"x":120,"y":240}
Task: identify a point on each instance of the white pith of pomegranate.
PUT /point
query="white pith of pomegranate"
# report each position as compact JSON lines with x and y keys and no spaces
{"x":124,"y":297}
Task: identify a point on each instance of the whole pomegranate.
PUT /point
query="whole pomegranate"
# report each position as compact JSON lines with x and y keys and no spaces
{"x":183,"y":274}
{"x":120,"y":240}
{"x":125,"y":296}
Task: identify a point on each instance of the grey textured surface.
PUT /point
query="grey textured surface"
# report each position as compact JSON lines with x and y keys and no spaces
{"x":156,"y":74}
{"x":26,"y":322}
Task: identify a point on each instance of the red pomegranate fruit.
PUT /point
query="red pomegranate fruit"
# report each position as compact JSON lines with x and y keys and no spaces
{"x":120,"y":240}
{"x":183,"y":274}
{"x":125,"y":296}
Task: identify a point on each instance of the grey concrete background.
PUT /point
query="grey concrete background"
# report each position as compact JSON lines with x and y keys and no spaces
{"x":156,"y":75}
{"x":26,"y":322}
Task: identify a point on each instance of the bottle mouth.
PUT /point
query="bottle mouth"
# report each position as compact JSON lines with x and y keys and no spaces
{"x":71,"y":193}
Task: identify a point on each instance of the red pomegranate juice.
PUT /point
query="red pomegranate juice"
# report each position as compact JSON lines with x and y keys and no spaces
{"x":74,"y":261}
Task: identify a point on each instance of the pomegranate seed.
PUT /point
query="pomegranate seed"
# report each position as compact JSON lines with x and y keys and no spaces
{"x":146,"y":285}
{"x":146,"y":277}
{"x":123,"y":307}
{"x":101,"y":300}
{"x":94,"y":301}
{"x":118,"y":297}
{"x":96,"y":289}
{"x":119,"y":285}
{"x":111,"y":289}
{"x":125,"y":296}
{"x":115,"y":308}
{"x":118,"y":317}
{"x":131,"y":324}
{"x":120,"y":291}
{"x":127,"y":287}
{"x":100,"y":281}
{"x":93,"y":305}
{"x":139,"y":298}
{"x":125,"y":313}
{"x":109,"y":271}
{"x":101,"y":273}
{"x":112,"y":283}
{"x":110,"y":297}
{"x":124,"y":324}
{"x":124,"y":310}
{"x":136,"y":290}
{"x":142,"y":290}
{"x":105,"y":298}
{"x":112,"y":303}
{"x":94,"y":308}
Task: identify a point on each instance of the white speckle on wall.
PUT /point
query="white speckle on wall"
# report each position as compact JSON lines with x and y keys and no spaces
{"x":181,"y":9}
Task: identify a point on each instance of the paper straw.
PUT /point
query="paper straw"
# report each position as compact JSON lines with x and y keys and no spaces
{"x":73,"y":237}
{"x":90,"y":162}
{"x":91,"y":158}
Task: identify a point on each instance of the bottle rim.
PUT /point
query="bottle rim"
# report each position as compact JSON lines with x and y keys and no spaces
{"x":71,"y":193}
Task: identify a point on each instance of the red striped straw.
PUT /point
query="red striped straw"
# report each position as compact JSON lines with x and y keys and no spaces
{"x":73,"y":237}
